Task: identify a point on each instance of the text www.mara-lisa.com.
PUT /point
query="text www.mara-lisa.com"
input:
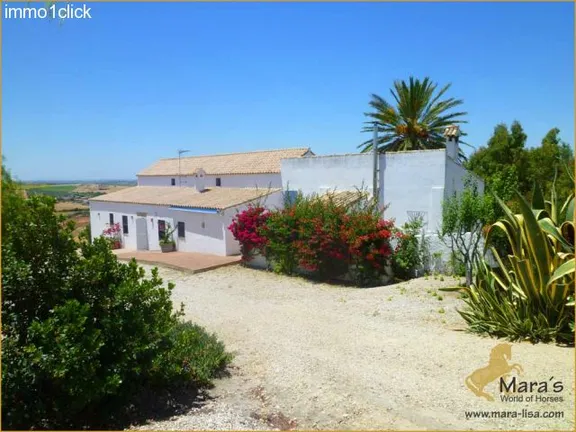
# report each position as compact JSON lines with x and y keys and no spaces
{"x":524,"y":413}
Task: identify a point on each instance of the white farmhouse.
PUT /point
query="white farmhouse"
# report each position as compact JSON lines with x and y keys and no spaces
{"x":411,"y":183}
{"x":198,"y":196}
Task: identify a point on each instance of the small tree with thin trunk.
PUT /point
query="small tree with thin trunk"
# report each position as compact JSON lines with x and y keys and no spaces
{"x":463,"y":217}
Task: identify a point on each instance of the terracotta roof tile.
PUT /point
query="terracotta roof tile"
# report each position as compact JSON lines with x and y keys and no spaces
{"x":345,"y":197}
{"x":260,"y":162}
{"x":216,"y":198}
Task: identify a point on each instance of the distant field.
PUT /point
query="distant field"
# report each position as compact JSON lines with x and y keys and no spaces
{"x":50,"y":189}
{"x":104,"y":188}
{"x":68,"y":206}
{"x":72,"y":191}
{"x":71,"y":197}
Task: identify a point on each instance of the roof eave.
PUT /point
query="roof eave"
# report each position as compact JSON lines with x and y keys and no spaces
{"x":208,"y":173}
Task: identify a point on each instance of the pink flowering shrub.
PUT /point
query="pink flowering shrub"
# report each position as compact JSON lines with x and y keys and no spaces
{"x":245,"y":228}
{"x":112,"y":234}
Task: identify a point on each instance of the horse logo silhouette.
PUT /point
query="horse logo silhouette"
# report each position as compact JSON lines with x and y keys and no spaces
{"x":498,"y":367}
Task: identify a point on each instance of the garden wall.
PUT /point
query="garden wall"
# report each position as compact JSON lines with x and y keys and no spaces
{"x":439,"y":254}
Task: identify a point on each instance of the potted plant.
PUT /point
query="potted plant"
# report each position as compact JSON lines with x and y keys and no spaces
{"x":167,"y":243}
{"x":112,"y":234}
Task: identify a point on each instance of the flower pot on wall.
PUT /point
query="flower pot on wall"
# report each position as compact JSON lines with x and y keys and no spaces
{"x":167,"y":247}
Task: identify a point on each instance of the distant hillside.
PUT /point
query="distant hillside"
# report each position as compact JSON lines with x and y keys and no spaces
{"x":76,"y":192}
{"x":78,"y":182}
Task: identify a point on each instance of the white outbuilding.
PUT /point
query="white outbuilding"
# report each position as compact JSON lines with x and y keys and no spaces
{"x":196,"y":196}
{"x":200,"y":217}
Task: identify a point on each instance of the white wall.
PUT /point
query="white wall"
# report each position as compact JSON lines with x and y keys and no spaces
{"x":409,"y":181}
{"x":99,"y":220}
{"x":247,"y":180}
{"x":324,"y":173}
{"x":455,"y":175}
{"x":205,"y":233}
{"x":414,"y":182}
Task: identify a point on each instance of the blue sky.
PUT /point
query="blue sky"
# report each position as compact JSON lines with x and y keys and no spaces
{"x":105,"y":97}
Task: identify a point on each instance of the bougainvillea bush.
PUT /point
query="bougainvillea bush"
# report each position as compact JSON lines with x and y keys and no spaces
{"x":369,"y":245}
{"x":112,"y":235}
{"x":245,"y":227}
{"x":321,"y":236}
{"x":317,"y":242}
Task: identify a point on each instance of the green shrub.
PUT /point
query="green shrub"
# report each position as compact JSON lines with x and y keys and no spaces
{"x":464,"y":215}
{"x":457,"y":264}
{"x":280,"y":231}
{"x":80,"y":329}
{"x":193,"y":355}
{"x":408,"y":253}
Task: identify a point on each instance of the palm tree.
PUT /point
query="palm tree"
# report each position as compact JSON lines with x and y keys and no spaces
{"x":418,"y":120}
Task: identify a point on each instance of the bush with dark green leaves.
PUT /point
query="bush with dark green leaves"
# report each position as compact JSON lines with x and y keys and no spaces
{"x":409,"y":252}
{"x":80,"y":330}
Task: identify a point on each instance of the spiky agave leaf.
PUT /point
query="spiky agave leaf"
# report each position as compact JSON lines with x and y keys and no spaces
{"x":529,"y":295}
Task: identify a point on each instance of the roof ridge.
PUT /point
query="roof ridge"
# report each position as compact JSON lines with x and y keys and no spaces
{"x":213,"y":198}
{"x":371,"y":154}
{"x":239,"y":153}
{"x":172,"y":188}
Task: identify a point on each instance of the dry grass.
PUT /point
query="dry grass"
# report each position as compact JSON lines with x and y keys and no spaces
{"x":99,"y":188}
{"x":68,"y":206}
{"x":81,"y":223}
{"x":76,"y":212}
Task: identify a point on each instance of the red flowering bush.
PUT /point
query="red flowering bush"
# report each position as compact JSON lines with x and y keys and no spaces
{"x":318,"y":235}
{"x":370,"y":250}
{"x":320,"y":247}
{"x":245,"y":228}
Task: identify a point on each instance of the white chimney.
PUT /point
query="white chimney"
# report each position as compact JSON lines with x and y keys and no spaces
{"x":200,"y":180}
{"x":452,"y":136}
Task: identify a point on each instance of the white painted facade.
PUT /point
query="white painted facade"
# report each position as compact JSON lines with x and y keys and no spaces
{"x":205,"y":232}
{"x":262,"y":181}
{"x":409,"y":182}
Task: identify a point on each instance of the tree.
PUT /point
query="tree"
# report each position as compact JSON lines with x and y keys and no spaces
{"x":504,"y":155}
{"x":463,"y":218}
{"x":82,"y":333}
{"x":417,"y":121}
{"x":547,"y":164}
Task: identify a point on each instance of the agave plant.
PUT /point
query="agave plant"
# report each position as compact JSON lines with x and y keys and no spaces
{"x":530,"y":294}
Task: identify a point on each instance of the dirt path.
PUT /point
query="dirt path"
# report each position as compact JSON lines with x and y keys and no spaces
{"x":328,"y":357}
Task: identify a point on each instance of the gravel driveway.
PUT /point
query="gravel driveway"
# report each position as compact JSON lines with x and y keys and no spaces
{"x":312,"y":355}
